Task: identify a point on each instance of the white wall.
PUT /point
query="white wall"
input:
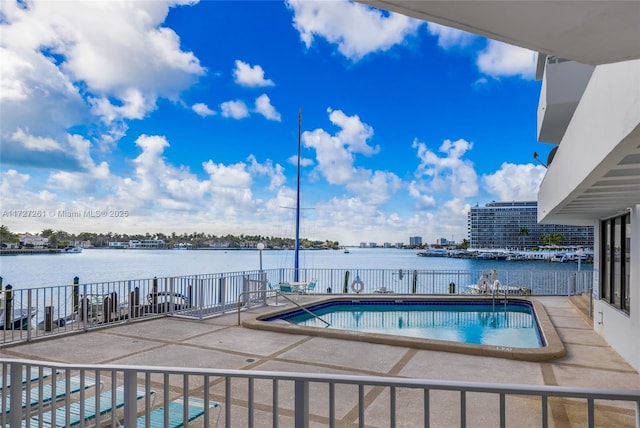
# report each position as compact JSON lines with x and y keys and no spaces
{"x":621,"y":330}
{"x":608,"y":112}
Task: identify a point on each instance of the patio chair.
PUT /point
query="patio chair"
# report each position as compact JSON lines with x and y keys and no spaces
{"x":310,"y":288}
{"x":286,"y":288}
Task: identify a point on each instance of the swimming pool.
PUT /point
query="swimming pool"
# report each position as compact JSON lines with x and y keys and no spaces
{"x":475,"y":322}
{"x":464,"y":324}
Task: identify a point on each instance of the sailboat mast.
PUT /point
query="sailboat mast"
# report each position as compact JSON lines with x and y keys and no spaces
{"x":297,"y":252}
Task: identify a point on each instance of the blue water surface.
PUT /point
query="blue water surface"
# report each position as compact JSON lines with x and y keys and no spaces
{"x":486,"y":323}
{"x":100,"y":265}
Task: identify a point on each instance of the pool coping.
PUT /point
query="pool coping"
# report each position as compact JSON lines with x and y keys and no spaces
{"x":553,"y":349}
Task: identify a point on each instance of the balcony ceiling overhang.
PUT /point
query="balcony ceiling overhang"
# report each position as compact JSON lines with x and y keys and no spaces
{"x":590,"y":32}
{"x":610,"y":189}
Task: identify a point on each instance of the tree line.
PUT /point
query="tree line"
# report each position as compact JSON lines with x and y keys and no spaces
{"x":61,"y":239}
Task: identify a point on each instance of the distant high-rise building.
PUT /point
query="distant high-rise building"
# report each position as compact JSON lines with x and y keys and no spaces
{"x":415,"y":241}
{"x":515,"y":225}
{"x":444,"y":241}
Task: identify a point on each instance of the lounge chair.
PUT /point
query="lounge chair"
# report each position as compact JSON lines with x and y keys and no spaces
{"x":33,"y":375}
{"x":90,"y":411}
{"x":47,"y":395}
{"x":175,"y":411}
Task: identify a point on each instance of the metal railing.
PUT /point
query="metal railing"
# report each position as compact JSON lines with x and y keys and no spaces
{"x":39,"y":312}
{"x":237,"y":397}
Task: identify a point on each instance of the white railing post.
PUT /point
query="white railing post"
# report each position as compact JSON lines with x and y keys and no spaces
{"x":128,"y":298}
{"x":29,"y":304}
{"x":301,"y":404}
{"x":130,"y":397}
{"x":201,"y":297}
{"x":171,"y":297}
{"x":85,"y":308}
{"x":15,"y":392}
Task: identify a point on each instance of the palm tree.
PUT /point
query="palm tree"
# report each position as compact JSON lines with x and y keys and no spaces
{"x":8,"y":237}
{"x":553,"y":238}
{"x":524,"y":231}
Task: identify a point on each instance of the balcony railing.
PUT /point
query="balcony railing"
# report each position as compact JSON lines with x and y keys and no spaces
{"x":39,"y":393}
{"x":26,"y":314}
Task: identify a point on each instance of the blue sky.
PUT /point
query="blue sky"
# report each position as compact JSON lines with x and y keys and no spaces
{"x":171,"y":117}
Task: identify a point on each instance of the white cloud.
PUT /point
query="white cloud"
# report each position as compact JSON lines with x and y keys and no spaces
{"x":264,"y":107}
{"x":450,"y":37}
{"x":356,"y":29}
{"x":418,"y":191}
{"x":275,"y":173}
{"x":444,"y":180}
{"x":85,"y":180}
{"x":246,"y":75}
{"x":496,"y":59}
{"x":68,"y":153}
{"x":335,"y":157}
{"x":132,"y":105}
{"x":450,"y":173}
{"x":202,"y":109}
{"x":500,"y":59}
{"x":515,"y":182}
{"x":16,"y":193}
{"x":293,"y":160}
{"x":354,"y":132}
{"x":40,"y":144}
{"x":69,"y":64}
{"x":234,"y":109}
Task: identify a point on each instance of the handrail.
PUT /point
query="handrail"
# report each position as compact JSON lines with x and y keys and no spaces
{"x":248,"y":293}
{"x":13,"y":369}
{"x":278,"y":293}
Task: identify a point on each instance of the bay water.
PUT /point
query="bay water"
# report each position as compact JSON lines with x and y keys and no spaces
{"x":101,"y":265}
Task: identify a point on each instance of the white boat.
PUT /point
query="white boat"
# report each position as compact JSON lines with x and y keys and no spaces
{"x":434,"y":252}
{"x":486,"y":256}
{"x":72,"y":250}
{"x":489,"y":284}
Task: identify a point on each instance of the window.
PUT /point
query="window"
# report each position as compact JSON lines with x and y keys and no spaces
{"x":615,"y":250}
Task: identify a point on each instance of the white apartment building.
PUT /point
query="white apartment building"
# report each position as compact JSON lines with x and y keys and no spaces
{"x":147,"y":243}
{"x":515,"y":225}
{"x":35,"y":241}
{"x":589,"y":109}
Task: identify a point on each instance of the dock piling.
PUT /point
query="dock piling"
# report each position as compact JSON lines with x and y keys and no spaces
{"x":134,"y":307}
{"x":8,"y":304}
{"x":48,"y":318}
{"x":76,"y":293}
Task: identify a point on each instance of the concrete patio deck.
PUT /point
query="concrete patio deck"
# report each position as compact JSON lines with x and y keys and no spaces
{"x":219,"y":343}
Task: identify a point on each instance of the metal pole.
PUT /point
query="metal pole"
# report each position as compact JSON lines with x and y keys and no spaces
{"x":297,"y":250}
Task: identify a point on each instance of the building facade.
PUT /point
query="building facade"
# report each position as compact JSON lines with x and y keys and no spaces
{"x":415,"y":241}
{"x":589,"y":116}
{"x":602,"y":131}
{"x":147,"y":243}
{"x":515,"y":225}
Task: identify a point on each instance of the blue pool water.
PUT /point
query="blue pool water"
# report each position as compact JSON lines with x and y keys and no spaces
{"x":475,"y":322}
